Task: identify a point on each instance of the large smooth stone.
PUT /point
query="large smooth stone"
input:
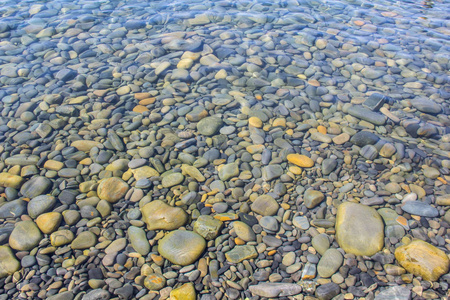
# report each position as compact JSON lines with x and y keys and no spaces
{"x":209,"y":126}
{"x":13,"y":209}
{"x":159,"y":215}
{"x":184,"y":292}
{"x":420,"y":209}
{"x":84,"y":240}
{"x":49,"y":222}
{"x":112,"y":189}
{"x":172,"y":180}
{"x":8,"y":262}
{"x":426,"y":105}
{"x":365,"y":114}
{"x":228,"y":171}
{"x":300,"y":160}
{"x":138,"y":240}
{"x":265,"y":205}
{"x":36,"y":186}
{"x":9,"y":180}
{"x":181,"y":247}
{"x":359,"y":229}
{"x":394,"y":293}
{"x":363,"y":138}
{"x":40,"y":204}
{"x":84,"y":145}
{"x":330,"y":262}
{"x":423,"y":259}
{"x":275,"y":289}
{"x":25,"y":236}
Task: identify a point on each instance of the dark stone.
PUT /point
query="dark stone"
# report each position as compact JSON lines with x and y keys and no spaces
{"x":363,"y":138}
{"x":328,"y":291}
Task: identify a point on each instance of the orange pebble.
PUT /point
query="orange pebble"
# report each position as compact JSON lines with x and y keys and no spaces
{"x":359,"y":23}
{"x":272,"y":252}
{"x":239,"y":241}
{"x":402,"y":220}
{"x":442,"y":180}
{"x":140,"y":109}
{"x":147,"y":101}
{"x":322,"y":129}
{"x":258,"y":97}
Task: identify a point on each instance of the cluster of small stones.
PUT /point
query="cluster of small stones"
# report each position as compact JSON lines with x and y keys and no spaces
{"x":223,"y":150}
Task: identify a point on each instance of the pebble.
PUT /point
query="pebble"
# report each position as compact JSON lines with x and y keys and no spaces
{"x":358,"y":225}
{"x":181,"y":247}
{"x":312,"y":198}
{"x":420,"y":209}
{"x":9,"y":263}
{"x":330,"y":262}
{"x":275,"y":289}
{"x":240,"y":253}
{"x":25,"y":236}
{"x":159,"y":215}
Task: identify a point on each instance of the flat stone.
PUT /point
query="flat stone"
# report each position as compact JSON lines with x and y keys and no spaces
{"x":375,"y":101}
{"x":300,"y":160}
{"x":138,"y":240}
{"x":271,"y":172}
{"x":159,"y":215}
{"x":84,"y":240}
{"x":265,"y":205}
{"x":243,"y":231}
{"x":25,"y":236}
{"x":440,"y":200}
{"x":363,"y":138}
{"x":85,"y":145}
{"x":321,"y":243}
{"x":112,"y":189}
{"x":40,"y":204}
{"x":13,"y":209}
{"x":8,"y":262}
{"x":172,"y":179}
{"x":423,"y":259}
{"x":61,"y":237}
{"x":359,"y":229}
{"x":97,"y":294}
{"x":329,"y":263}
{"x":49,"y":222}
{"x":394,"y":293}
{"x":184,"y":292}
{"x":312,"y":198}
{"x":154,"y":282}
{"x":328,"y":291}
{"x":209,"y":125}
{"x":432,"y":173}
{"x":426,"y":105}
{"x":269,"y":223}
{"x":365,"y":114}
{"x":301,"y":222}
{"x":12,"y":181}
{"x":240,"y":253}
{"x":181,"y":247}
{"x":193,"y":172}
{"x":228,"y":171}
{"x":208,"y":227}
{"x":419,"y":208}
{"x":328,"y":166}
{"x":275,"y":289}
{"x":36,"y":186}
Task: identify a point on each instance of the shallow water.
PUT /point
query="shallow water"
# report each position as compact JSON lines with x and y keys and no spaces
{"x":96,"y":89}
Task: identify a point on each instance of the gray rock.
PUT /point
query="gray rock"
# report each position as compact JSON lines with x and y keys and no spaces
{"x":275,"y":289}
{"x":426,"y":106}
{"x":312,"y":198}
{"x":97,"y":294}
{"x":13,"y":209}
{"x":328,"y":166}
{"x":330,"y":262}
{"x":369,"y":152}
{"x":40,"y":204}
{"x":394,"y":293}
{"x":36,"y":186}
{"x":209,"y":126}
{"x":375,"y":101}
{"x":328,"y":291}
{"x":420,"y":209}
{"x":271,"y":172}
{"x":269,"y":223}
{"x":138,"y":240}
{"x":365,"y":114}
{"x":363,"y":138}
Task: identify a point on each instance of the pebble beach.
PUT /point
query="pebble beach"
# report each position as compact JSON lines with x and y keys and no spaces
{"x":249,"y":149}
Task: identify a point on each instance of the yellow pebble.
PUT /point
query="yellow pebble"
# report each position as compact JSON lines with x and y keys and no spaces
{"x":295,"y":170}
{"x":279,"y":122}
{"x":289,"y":132}
{"x":300,"y":160}
{"x":255,"y":122}
{"x":322,"y":129}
